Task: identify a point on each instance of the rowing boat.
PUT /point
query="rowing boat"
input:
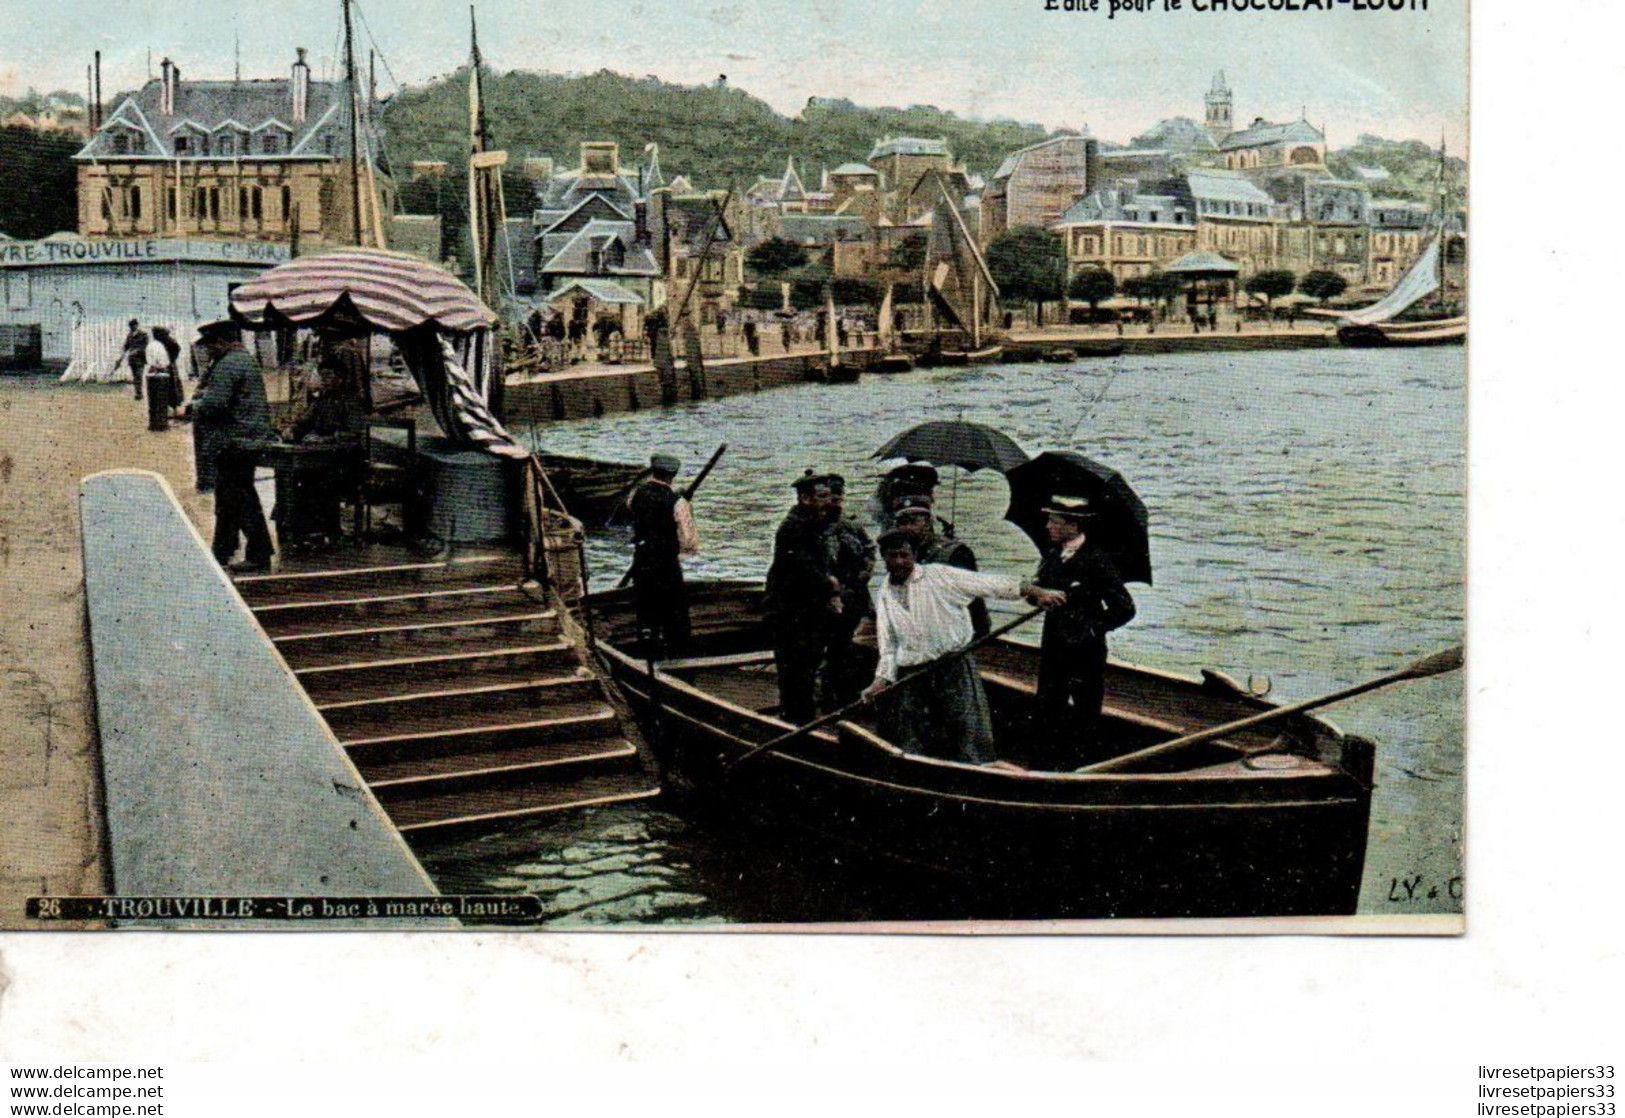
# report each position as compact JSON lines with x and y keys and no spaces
{"x":1268,"y":822}
{"x":984,"y":356}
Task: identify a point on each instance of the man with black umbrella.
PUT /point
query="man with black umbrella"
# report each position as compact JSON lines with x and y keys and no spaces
{"x":1072,"y":663}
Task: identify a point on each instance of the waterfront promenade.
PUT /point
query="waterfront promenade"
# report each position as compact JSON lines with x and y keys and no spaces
{"x":54,"y":435}
{"x":592,"y":389}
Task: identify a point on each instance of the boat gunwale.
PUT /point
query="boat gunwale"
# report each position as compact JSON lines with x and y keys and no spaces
{"x":1013,"y":779}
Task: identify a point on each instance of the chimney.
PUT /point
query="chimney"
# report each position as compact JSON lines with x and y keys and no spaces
{"x":301,"y":87}
{"x":98,"y":108}
{"x":1091,"y":166}
{"x":640,"y":221}
{"x":171,"y":78}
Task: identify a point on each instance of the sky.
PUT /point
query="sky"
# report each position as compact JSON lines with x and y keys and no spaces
{"x":1401,"y":75}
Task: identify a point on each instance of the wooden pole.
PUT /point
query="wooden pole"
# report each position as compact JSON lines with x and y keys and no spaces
{"x":1437,"y":664}
{"x":355,"y":125}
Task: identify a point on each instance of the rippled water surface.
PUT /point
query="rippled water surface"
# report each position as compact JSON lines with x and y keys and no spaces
{"x":1307,"y":524}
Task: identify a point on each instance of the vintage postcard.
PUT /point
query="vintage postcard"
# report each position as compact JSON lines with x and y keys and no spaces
{"x":926,"y":466}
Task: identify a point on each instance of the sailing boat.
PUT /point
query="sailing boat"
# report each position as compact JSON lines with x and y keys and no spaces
{"x":892,"y":358}
{"x":1431,"y":321}
{"x":959,"y":287}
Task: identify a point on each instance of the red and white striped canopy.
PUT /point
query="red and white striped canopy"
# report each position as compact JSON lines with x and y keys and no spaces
{"x":389,"y":291}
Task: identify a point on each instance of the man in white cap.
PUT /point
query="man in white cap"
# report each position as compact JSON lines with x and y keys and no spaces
{"x":662,"y":533}
{"x":1072,"y":659}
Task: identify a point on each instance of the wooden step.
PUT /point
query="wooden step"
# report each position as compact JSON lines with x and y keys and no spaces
{"x":395,"y":640}
{"x":427,"y":816}
{"x":359,"y":679}
{"x":394,"y":781}
{"x":471,"y":733}
{"x":380,"y":576}
{"x":342,"y":614}
{"x":460,"y":707}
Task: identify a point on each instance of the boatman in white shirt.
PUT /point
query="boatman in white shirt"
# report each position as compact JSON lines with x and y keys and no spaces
{"x":920,"y":619}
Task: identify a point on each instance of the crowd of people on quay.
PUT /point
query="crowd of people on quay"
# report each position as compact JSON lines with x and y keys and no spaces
{"x":904,"y":643}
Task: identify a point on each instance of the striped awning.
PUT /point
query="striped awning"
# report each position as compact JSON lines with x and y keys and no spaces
{"x":387,"y":291}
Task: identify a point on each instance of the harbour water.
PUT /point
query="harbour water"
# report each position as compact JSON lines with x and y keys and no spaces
{"x":1307,"y":530}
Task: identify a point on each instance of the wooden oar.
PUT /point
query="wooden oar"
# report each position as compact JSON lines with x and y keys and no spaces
{"x":837,"y":715}
{"x":687,"y":495}
{"x":1437,"y":664}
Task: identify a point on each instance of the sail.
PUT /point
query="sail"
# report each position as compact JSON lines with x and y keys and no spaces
{"x":958,"y":284}
{"x":1418,"y":283}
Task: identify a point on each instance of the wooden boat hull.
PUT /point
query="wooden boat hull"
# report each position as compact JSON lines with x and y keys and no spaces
{"x":1384,"y":334}
{"x":593,"y":491}
{"x":892,"y":363}
{"x":1275,"y":834}
{"x":984,"y":356}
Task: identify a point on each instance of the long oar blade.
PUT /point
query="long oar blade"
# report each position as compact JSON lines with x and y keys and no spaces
{"x":1436,"y":664}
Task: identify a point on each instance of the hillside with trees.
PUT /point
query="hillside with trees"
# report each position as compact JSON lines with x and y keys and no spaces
{"x":717,"y":135}
{"x":1412,"y":165}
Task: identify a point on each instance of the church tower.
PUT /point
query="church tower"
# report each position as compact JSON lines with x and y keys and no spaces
{"x":1219,"y":122}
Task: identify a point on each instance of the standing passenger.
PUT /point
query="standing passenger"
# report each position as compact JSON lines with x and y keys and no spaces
{"x":849,"y":665}
{"x":1072,"y":664}
{"x":803,"y":597}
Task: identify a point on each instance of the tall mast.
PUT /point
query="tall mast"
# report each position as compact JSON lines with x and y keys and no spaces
{"x":477,"y":143}
{"x":355,"y":124}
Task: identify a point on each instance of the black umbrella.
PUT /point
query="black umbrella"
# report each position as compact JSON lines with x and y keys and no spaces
{"x":1119,"y":525}
{"x":943,"y":442}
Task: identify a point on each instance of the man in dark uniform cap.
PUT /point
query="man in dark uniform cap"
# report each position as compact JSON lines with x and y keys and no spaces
{"x":850,"y":666}
{"x":662,"y":532}
{"x":233,"y":421}
{"x":804,"y":598}
{"x":914,"y":517}
{"x":1072,"y":662}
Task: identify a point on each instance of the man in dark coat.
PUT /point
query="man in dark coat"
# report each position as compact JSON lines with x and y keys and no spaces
{"x":134,"y":354}
{"x":804,"y":600}
{"x":662,"y":532}
{"x":850,"y":666}
{"x":915,"y":519}
{"x":232,"y":421}
{"x":1072,"y":662}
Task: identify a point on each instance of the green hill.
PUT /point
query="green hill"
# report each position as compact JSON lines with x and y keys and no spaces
{"x":718,"y":136}
{"x":1413,"y":165}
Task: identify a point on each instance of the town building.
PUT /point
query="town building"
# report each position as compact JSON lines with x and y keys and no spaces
{"x":1128,"y":235}
{"x":78,"y":293}
{"x":1039,"y":183}
{"x":625,"y":240}
{"x":1234,"y":218}
{"x":1263,"y":145}
{"x":253,"y":160}
{"x":1399,"y":230}
{"x":1338,"y":214}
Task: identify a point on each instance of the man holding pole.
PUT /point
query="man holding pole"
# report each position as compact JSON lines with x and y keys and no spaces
{"x":662,"y":533}
{"x":922,"y":624}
